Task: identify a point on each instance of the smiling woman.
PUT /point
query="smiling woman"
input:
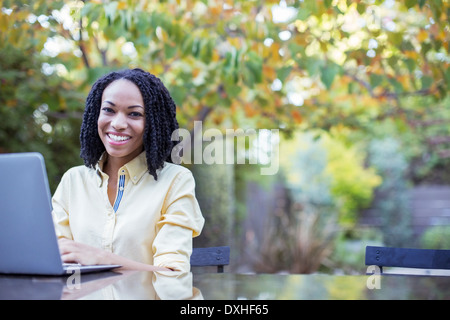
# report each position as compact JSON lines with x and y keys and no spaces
{"x":129,"y":205}
{"x":121,"y":128}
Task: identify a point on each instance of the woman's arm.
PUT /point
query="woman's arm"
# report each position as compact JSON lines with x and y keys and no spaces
{"x":72,"y":251}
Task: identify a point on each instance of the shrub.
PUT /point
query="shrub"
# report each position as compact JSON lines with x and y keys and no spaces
{"x":436,"y":237}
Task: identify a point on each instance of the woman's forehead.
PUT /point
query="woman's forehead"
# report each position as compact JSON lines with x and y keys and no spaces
{"x":122,"y":90}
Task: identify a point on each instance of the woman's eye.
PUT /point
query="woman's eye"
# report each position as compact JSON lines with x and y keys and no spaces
{"x":107,"y":109}
{"x":136,"y":114}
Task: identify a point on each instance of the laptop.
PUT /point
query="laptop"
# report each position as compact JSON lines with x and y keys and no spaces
{"x":28,"y":242}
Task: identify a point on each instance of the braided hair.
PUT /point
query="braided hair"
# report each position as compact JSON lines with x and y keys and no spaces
{"x":160,"y":119}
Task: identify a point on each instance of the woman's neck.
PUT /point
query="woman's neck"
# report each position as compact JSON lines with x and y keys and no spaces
{"x":112,"y":165}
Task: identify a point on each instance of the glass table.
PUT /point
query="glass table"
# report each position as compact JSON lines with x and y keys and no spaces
{"x":224,"y":286}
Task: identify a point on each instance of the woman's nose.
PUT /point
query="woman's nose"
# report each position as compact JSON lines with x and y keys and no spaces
{"x":119,"y":122}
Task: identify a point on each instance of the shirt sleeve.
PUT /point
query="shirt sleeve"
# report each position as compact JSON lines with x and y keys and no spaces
{"x":181,"y":220}
{"x":60,"y":204}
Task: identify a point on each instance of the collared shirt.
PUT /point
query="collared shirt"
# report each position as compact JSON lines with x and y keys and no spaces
{"x":151,"y":221}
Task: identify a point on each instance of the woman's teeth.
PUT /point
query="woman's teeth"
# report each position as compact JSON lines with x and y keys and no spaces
{"x":118,"y":138}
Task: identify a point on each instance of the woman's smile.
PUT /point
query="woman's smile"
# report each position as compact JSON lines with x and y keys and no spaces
{"x":118,"y":139}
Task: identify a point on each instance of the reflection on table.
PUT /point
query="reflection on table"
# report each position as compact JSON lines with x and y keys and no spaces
{"x":322,"y":287}
{"x":120,"y":285}
{"x":225,"y":286}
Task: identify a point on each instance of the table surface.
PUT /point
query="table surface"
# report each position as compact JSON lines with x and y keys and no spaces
{"x":224,"y":286}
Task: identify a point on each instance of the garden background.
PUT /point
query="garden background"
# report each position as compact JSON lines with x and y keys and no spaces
{"x":357,"y":89}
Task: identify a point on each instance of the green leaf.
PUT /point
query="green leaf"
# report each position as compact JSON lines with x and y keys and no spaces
{"x":187,"y":46}
{"x":375,"y":80}
{"x":426,"y":46}
{"x":447,"y":76}
{"x":426,"y":82}
{"x":303,"y":14}
{"x":110,"y":32}
{"x":395,"y":37}
{"x":206,"y":50}
{"x":361,"y":8}
{"x":313,"y":66}
{"x":328,"y":73}
{"x":169,"y":50}
{"x":232,"y":90}
{"x":398,"y":88}
{"x":328,"y":3}
{"x":283,"y":73}
{"x":410,"y":3}
{"x":178,"y":94}
{"x":87,"y":8}
{"x":410,"y":64}
{"x":353,"y":87}
{"x":254,"y":68}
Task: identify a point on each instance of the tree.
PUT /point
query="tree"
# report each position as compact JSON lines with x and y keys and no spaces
{"x":28,"y":93}
{"x":261,"y":64}
{"x":329,"y":62}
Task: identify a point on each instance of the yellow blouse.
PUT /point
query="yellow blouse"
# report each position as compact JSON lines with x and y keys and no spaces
{"x":151,"y":221}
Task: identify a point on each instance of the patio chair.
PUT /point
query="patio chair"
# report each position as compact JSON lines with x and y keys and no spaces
{"x":211,"y":256}
{"x":407,"y":258}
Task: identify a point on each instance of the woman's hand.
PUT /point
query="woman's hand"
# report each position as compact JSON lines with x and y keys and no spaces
{"x":72,"y":251}
{"x":84,"y":254}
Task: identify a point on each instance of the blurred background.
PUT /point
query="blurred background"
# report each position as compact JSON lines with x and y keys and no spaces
{"x":357,"y":89}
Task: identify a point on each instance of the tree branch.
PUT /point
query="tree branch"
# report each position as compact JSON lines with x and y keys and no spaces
{"x":102,"y":52}
{"x":83,"y":52}
{"x":81,"y":45}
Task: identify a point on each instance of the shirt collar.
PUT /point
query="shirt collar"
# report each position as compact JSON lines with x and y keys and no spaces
{"x":136,"y":168}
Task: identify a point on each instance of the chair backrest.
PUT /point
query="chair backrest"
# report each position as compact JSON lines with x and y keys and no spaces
{"x":211,"y":256}
{"x":407,"y":258}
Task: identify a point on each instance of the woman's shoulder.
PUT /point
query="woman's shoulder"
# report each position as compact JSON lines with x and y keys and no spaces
{"x":78,"y":172}
{"x":171,"y":171}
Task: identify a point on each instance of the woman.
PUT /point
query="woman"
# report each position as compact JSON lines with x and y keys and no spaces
{"x":129,"y":205}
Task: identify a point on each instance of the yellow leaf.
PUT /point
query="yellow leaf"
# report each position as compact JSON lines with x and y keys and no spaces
{"x":411,"y":54}
{"x":195,"y":72}
{"x":269,"y":72}
{"x":11,"y":103}
{"x":249,"y":110}
{"x":442,"y":36}
{"x":215,"y":56}
{"x":121,"y":5}
{"x":215,"y":10}
{"x":274,"y":50}
{"x":404,"y":80}
{"x":422,"y":36}
{"x":297,"y":116}
{"x":235,"y":42}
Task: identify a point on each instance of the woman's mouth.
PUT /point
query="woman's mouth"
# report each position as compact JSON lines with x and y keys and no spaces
{"x":118,"y":138}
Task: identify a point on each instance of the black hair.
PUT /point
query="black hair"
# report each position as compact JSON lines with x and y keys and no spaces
{"x":160,"y":119}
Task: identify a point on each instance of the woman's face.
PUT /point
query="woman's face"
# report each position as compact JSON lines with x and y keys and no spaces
{"x":121,"y":121}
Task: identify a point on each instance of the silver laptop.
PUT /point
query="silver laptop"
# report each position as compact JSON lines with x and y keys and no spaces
{"x":28,"y":243}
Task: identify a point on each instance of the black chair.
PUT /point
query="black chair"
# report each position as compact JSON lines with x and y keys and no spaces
{"x":407,"y":258}
{"x":211,"y":256}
